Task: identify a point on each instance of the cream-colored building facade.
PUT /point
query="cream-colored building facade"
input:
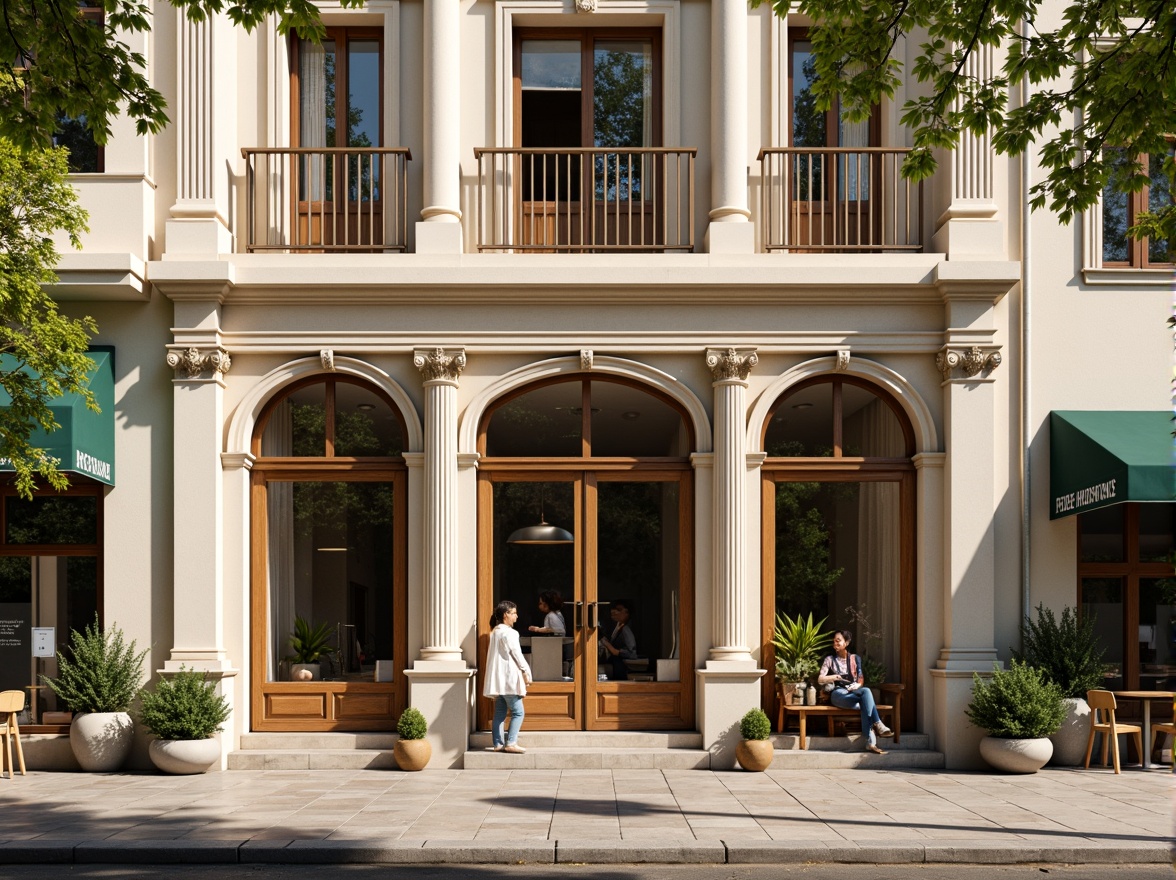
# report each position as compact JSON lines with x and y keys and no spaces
{"x":749,"y":292}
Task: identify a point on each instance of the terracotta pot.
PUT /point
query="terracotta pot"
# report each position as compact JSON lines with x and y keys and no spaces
{"x":101,"y":741}
{"x":412,"y":754}
{"x":754,"y":754}
{"x":1016,"y":755}
{"x":184,"y":756}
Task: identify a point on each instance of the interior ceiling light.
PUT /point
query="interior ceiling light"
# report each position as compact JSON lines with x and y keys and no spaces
{"x":630,"y":415}
{"x":542,"y":532}
{"x":802,"y":406}
{"x":331,"y":549}
{"x":365,"y":407}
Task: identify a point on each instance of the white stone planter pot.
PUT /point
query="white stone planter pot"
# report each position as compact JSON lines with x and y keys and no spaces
{"x":101,"y":741}
{"x":184,"y":756}
{"x":1016,"y":755}
{"x":1069,"y":743}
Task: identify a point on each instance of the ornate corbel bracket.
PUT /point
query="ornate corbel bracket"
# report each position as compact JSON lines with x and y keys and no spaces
{"x":730,"y":363}
{"x":586,"y":5}
{"x":969,"y":362}
{"x":195,"y":363}
{"x":586,"y":357}
{"x":327,"y":356}
{"x":842,"y":363}
{"x":439,"y":363}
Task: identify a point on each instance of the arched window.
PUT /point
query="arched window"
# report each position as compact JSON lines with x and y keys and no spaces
{"x":585,"y":489}
{"x":328,"y":558}
{"x":839,"y":510}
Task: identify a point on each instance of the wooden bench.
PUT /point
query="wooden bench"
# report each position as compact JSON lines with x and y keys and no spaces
{"x":831,"y":712}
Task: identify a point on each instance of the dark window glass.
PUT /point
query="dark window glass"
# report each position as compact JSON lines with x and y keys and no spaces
{"x":628,"y":422}
{"x":1102,"y":601}
{"x":84,"y":152}
{"x":802,"y":425}
{"x":1156,"y":530}
{"x":1102,"y":535}
{"x":364,"y":424}
{"x":1157,"y":633}
{"x":52,"y":519}
{"x":545,"y":422}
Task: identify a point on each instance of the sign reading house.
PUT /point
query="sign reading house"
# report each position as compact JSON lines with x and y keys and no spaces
{"x":84,"y":442}
{"x":1100,"y":458}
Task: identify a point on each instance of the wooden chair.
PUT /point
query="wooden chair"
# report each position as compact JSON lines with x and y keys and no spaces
{"x":1157,"y":729}
{"x":1102,"y":706}
{"x":11,"y":702}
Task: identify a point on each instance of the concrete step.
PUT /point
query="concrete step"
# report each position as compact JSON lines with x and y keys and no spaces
{"x":850,"y":742}
{"x":601,"y":739}
{"x":847,"y":752}
{"x":593,"y":750}
{"x":306,"y":741}
{"x":312,"y":759}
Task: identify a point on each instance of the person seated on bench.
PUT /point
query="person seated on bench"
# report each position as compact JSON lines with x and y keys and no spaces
{"x":621,"y":644}
{"x":841,"y":676}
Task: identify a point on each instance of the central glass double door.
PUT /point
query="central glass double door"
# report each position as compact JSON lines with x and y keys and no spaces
{"x":625,"y":540}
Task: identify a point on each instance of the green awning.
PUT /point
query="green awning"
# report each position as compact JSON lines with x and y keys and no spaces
{"x":1100,"y":458}
{"x":84,"y":444}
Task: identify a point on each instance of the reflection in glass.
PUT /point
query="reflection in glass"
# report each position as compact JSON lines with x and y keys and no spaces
{"x":1116,"y":212}
{"x":838,"y":547}
{"x":1102,"y":599}
{"x":1159,"y":197}
{"x":802,"y":424}
{"x":1157,"y":634}
{"x":523,"y":571}
{"x":330,"y":560}
{"x":51,"y":519}
{"x":1101,"y":535}
{"x":870,"y":427}
{"x":1157,"y":527}
{"x":43,"y":591}
{"x":637,"y":563}
{"x":364,"y":424}
{"x":628,"y":422}
{"x":545,"y":422}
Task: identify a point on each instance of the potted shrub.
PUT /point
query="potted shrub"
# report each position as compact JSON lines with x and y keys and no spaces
{"x":754,"y":751}
{"x":98,"y":677}
{"x":1020,"y":708}
{"x":309,"y":644}
{"x":184,"y":712}
{"x":799,"y":646}
{"x":1067,"y":651}
{"x":412,"y":750}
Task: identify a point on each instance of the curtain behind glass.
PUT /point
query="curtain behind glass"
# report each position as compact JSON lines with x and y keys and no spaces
{"x":278,"y":441}
{"x":312,"y":113}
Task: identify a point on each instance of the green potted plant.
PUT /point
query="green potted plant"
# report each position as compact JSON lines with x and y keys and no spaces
{"x":184,"y":712}
{"x":412,"y":751}
{"x":754,"y":750}
{"x":799,"y":644}
{"x":309,"y":644}
{"x":1068,"y":652}
{"x":1020,"y":708}
{"x":98,"y":677}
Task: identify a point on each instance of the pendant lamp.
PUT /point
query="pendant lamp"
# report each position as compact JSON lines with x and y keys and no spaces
{"x":541,"y":533}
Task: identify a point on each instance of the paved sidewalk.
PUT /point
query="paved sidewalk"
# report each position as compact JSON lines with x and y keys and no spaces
{"x":595,"y":816}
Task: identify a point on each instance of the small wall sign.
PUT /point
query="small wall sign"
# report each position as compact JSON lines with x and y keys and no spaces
{"x":44,"y":641}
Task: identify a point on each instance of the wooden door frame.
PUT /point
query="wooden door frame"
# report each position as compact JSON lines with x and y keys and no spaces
{"x":588,"y":695}
{"x":302,"y":696}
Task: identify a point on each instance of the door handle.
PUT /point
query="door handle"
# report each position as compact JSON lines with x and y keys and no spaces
{"x":595,"y":606}
{"x":575,"y":622}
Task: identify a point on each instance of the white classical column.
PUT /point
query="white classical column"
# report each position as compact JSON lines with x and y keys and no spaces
{"x":969,"y":225}
{"x":440,"y":229}
{"x":968,"y":363}
{"x":206,"y":63}
{"x":442,"y":639}
{"x":729,"y":230}
{"x":198,"y":603}
{"x":729,"y":643}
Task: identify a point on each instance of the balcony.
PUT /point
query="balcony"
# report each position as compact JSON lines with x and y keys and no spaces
{"x":838,"y":199}
{"x":326,"y":199}
{"x":585,"y":200}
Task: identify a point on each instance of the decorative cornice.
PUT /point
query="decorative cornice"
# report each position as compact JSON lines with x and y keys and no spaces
{"x":971,"y":362}
{"x":439,"y":363}
{"x":730,"y":363}
{"x":585,"y":359}
{"x":842,"y":363}
{"x":194,"y":363}
{"x":327,"y":356}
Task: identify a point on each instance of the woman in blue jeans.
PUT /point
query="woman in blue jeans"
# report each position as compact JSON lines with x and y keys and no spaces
{"x":841,"y":676}
{"x":507,"y":677}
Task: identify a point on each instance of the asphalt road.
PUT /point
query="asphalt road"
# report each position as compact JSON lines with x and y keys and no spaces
{"x":591,"y":872}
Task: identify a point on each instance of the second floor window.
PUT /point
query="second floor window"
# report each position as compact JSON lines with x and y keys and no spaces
{"x":338,"y":98}
{"x":1120,"y":210}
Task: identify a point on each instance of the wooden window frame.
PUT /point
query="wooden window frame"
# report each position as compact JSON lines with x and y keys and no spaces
{"x":342,"y":36}
{"x":833,"y":114}
{"x":1137,"y":248}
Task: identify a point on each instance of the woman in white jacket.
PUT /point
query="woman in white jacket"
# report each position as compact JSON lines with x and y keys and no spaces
{"x":507,"y":677}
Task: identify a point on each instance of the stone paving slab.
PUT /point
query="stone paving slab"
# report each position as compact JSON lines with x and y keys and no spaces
{"x":589,"y":816}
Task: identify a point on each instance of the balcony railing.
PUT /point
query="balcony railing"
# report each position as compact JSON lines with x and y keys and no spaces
{"x":326,"y":199}
{"x":847,"y":199}
{"x":587,"y":200}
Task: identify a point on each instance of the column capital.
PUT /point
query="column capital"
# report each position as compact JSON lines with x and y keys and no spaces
{"x":972,"y":364}
{"x":730,"y":363}
{"x":439,"y":363}
{"x":195,"y":363}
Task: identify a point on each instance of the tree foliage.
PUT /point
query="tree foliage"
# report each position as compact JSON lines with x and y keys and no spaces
{"x":1101,"y":77}
{"x":42,"y":352}
{"x":60,"y":59}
